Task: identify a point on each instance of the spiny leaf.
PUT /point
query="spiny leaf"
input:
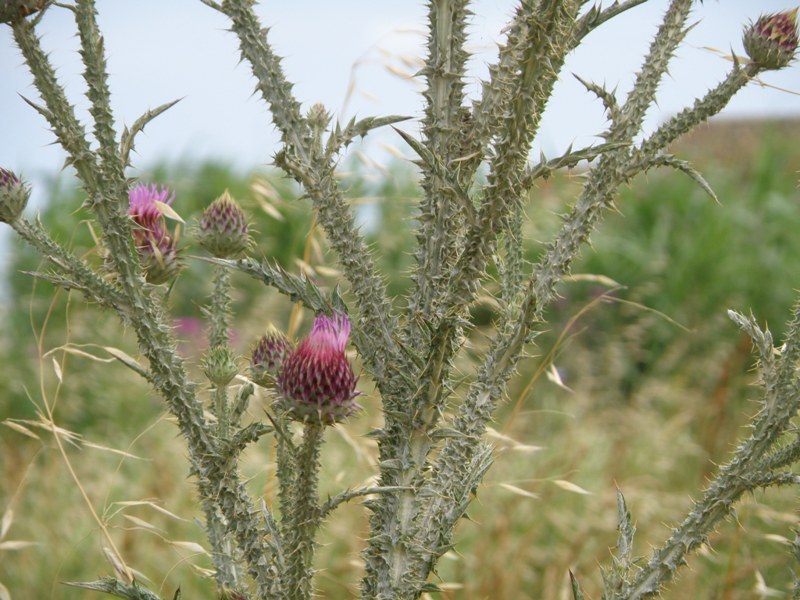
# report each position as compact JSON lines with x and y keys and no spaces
{"x":128,"y":135}
{"x":577,"y":593}
{"x":114,"y":587}
{"x":626,"y":531}
{"x":686,"y":168}
{"x":365,"y":125}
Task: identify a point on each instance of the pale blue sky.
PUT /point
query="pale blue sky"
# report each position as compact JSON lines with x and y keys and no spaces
{"x":159,"y":51}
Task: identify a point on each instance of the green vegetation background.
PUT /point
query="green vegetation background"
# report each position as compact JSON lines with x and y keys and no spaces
{"x":641,"y":382}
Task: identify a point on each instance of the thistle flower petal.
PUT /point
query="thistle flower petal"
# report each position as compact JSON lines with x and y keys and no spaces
{"x":157,"y":246}
{"x":316,"y":381}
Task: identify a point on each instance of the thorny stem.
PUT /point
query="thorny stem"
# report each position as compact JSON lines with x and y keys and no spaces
{"x":154,"y":336}
{"x":221,"y":405}
{"x":219,"y":313}
{"x":228,"y":573}
{"x":443,"y":120}
{"x":742,"y":474}
{"x":304,"y":515}
{"x":94,"y":287}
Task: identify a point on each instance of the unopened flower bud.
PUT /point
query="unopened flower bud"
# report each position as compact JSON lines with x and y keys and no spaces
{"x":316,"y":382}
{"x":223,"y":228}
{"x":220,"y":366}
{"x":771,"y":41}
{"x":318,"y":116}
{"x":268,"y":356}
{"x":156,"y":245}
{"x":13,"y":196}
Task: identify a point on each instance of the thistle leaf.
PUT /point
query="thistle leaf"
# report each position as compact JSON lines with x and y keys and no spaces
{"x":129,"y":135}
{"x":577,"y":593}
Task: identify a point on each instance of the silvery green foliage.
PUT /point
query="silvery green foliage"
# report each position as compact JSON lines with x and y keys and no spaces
{"x":431,"y":460}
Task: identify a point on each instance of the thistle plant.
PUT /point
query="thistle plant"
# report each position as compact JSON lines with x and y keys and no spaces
{"x":474,"y":160}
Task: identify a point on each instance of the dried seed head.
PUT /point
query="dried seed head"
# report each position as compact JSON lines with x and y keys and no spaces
{"x":268,"y":356}
{"x":223,"y":229}
{"x":220,"y":366}
{"x":157,"y":246}
{"x":316,"y":381}
{"x":771,"y":41}
{"x":14,"y":196}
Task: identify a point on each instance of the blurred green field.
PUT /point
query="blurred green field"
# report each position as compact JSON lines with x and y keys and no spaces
{"x":654,"y":385}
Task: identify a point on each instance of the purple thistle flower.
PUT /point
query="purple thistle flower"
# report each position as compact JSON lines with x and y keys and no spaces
{"x":143,"y":200}
{"x":316,"y":381}
{"x":223,"y":229}
{"x":8,"y":178}
{"x":268,"y":356}
{"x":14,"y":196}
{"x":772,"y":40}
{"x":156,"y":245}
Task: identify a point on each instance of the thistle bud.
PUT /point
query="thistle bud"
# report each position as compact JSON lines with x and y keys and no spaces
{"x":771,"y":41}
{"x":223,"y":228}
{"x":220,"y":366}
{"x":268,"y":356}
{"x":316,"y":382}
{"x":156,"y":245}
{"x":13,"y":196}
{"x":318,"y":117}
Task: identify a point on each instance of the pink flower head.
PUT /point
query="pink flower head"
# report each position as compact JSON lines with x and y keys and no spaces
{"x":143,"y":200}
{"x":330,"y":334}
{"x":316,"y":380}
{"x":156,"y":245}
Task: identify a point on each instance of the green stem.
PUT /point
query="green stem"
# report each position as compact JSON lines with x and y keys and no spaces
{"x":219,"y":313}
{"x":94,"y":287}
{"x":304,"y":516}
{"x":223,"y":416}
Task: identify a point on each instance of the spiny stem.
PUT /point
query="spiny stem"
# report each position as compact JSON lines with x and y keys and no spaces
{"x":304,"y":515}
{"x":219,"y":313}
{"x":223,"y":416}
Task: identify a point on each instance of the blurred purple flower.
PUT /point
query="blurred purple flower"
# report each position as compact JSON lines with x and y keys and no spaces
{"x":157,"y":246}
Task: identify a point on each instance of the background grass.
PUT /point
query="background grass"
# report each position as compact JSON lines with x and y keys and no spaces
{"x":654,"y":386}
